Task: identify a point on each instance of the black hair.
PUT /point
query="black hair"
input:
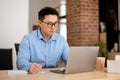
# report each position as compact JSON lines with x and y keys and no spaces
{"x":47,"y":11}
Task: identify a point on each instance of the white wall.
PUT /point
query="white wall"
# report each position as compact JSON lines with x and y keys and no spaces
{"x":13,"y":23}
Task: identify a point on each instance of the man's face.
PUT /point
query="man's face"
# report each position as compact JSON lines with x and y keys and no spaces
{"x":49,"y":25}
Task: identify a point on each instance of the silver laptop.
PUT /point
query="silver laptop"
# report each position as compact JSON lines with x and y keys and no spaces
{"x":80,"y":59}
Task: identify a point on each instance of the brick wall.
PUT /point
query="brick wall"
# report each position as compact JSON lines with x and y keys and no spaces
{"x":82,"y":22}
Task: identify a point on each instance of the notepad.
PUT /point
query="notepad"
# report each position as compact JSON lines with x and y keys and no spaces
{"x":17,"y":72}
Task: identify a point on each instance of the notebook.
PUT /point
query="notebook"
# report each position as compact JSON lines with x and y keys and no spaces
{"x":80,"y":59}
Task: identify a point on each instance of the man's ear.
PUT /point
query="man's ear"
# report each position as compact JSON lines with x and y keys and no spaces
{"x":39,"y":21}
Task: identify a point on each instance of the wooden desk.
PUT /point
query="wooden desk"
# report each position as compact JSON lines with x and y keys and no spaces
{"x":47,"y":75}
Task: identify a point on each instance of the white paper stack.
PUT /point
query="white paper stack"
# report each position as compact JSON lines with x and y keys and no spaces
{"x":113,"y":66}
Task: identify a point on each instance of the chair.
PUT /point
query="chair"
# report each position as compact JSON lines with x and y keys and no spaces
{"x":6,"y":59}
{"x":16,"y":47}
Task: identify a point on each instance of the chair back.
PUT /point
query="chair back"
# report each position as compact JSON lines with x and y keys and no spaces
{"x":16,"y":47}
{"x":6,"y":59}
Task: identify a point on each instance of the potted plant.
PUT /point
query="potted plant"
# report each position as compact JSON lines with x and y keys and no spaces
{"x":103,"y":51}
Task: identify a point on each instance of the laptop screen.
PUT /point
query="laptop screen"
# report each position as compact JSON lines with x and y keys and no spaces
{"x":81,"y":59}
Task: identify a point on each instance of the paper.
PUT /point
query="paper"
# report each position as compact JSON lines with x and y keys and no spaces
{"x":17,"y":72}
{"x":113,"y":66}
{"x":117,"y":57}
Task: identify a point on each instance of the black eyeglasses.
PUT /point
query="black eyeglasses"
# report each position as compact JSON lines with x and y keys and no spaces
{"x":50,"y":24}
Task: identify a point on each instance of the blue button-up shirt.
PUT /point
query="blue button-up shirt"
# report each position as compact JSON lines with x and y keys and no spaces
{"x":34,"y":48}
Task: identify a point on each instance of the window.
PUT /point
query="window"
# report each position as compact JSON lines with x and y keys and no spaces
{"x":63,"y":27}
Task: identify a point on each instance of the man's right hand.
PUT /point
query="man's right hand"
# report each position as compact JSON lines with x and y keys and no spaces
{"x":35,"y":68}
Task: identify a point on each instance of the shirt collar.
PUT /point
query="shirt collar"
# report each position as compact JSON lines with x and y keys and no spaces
{"x":54,"y":36}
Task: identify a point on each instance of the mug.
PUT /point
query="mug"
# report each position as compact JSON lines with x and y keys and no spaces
{"x":100,"y":63}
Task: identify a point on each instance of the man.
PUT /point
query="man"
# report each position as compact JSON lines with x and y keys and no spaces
{"x":43,"y":48}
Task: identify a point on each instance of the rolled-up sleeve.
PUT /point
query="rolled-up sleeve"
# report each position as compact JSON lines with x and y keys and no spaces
{"x":65,"y":52}
{"x":23,"y":58}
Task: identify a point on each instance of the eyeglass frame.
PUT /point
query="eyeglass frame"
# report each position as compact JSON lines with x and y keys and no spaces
{"x":50,"y":24}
